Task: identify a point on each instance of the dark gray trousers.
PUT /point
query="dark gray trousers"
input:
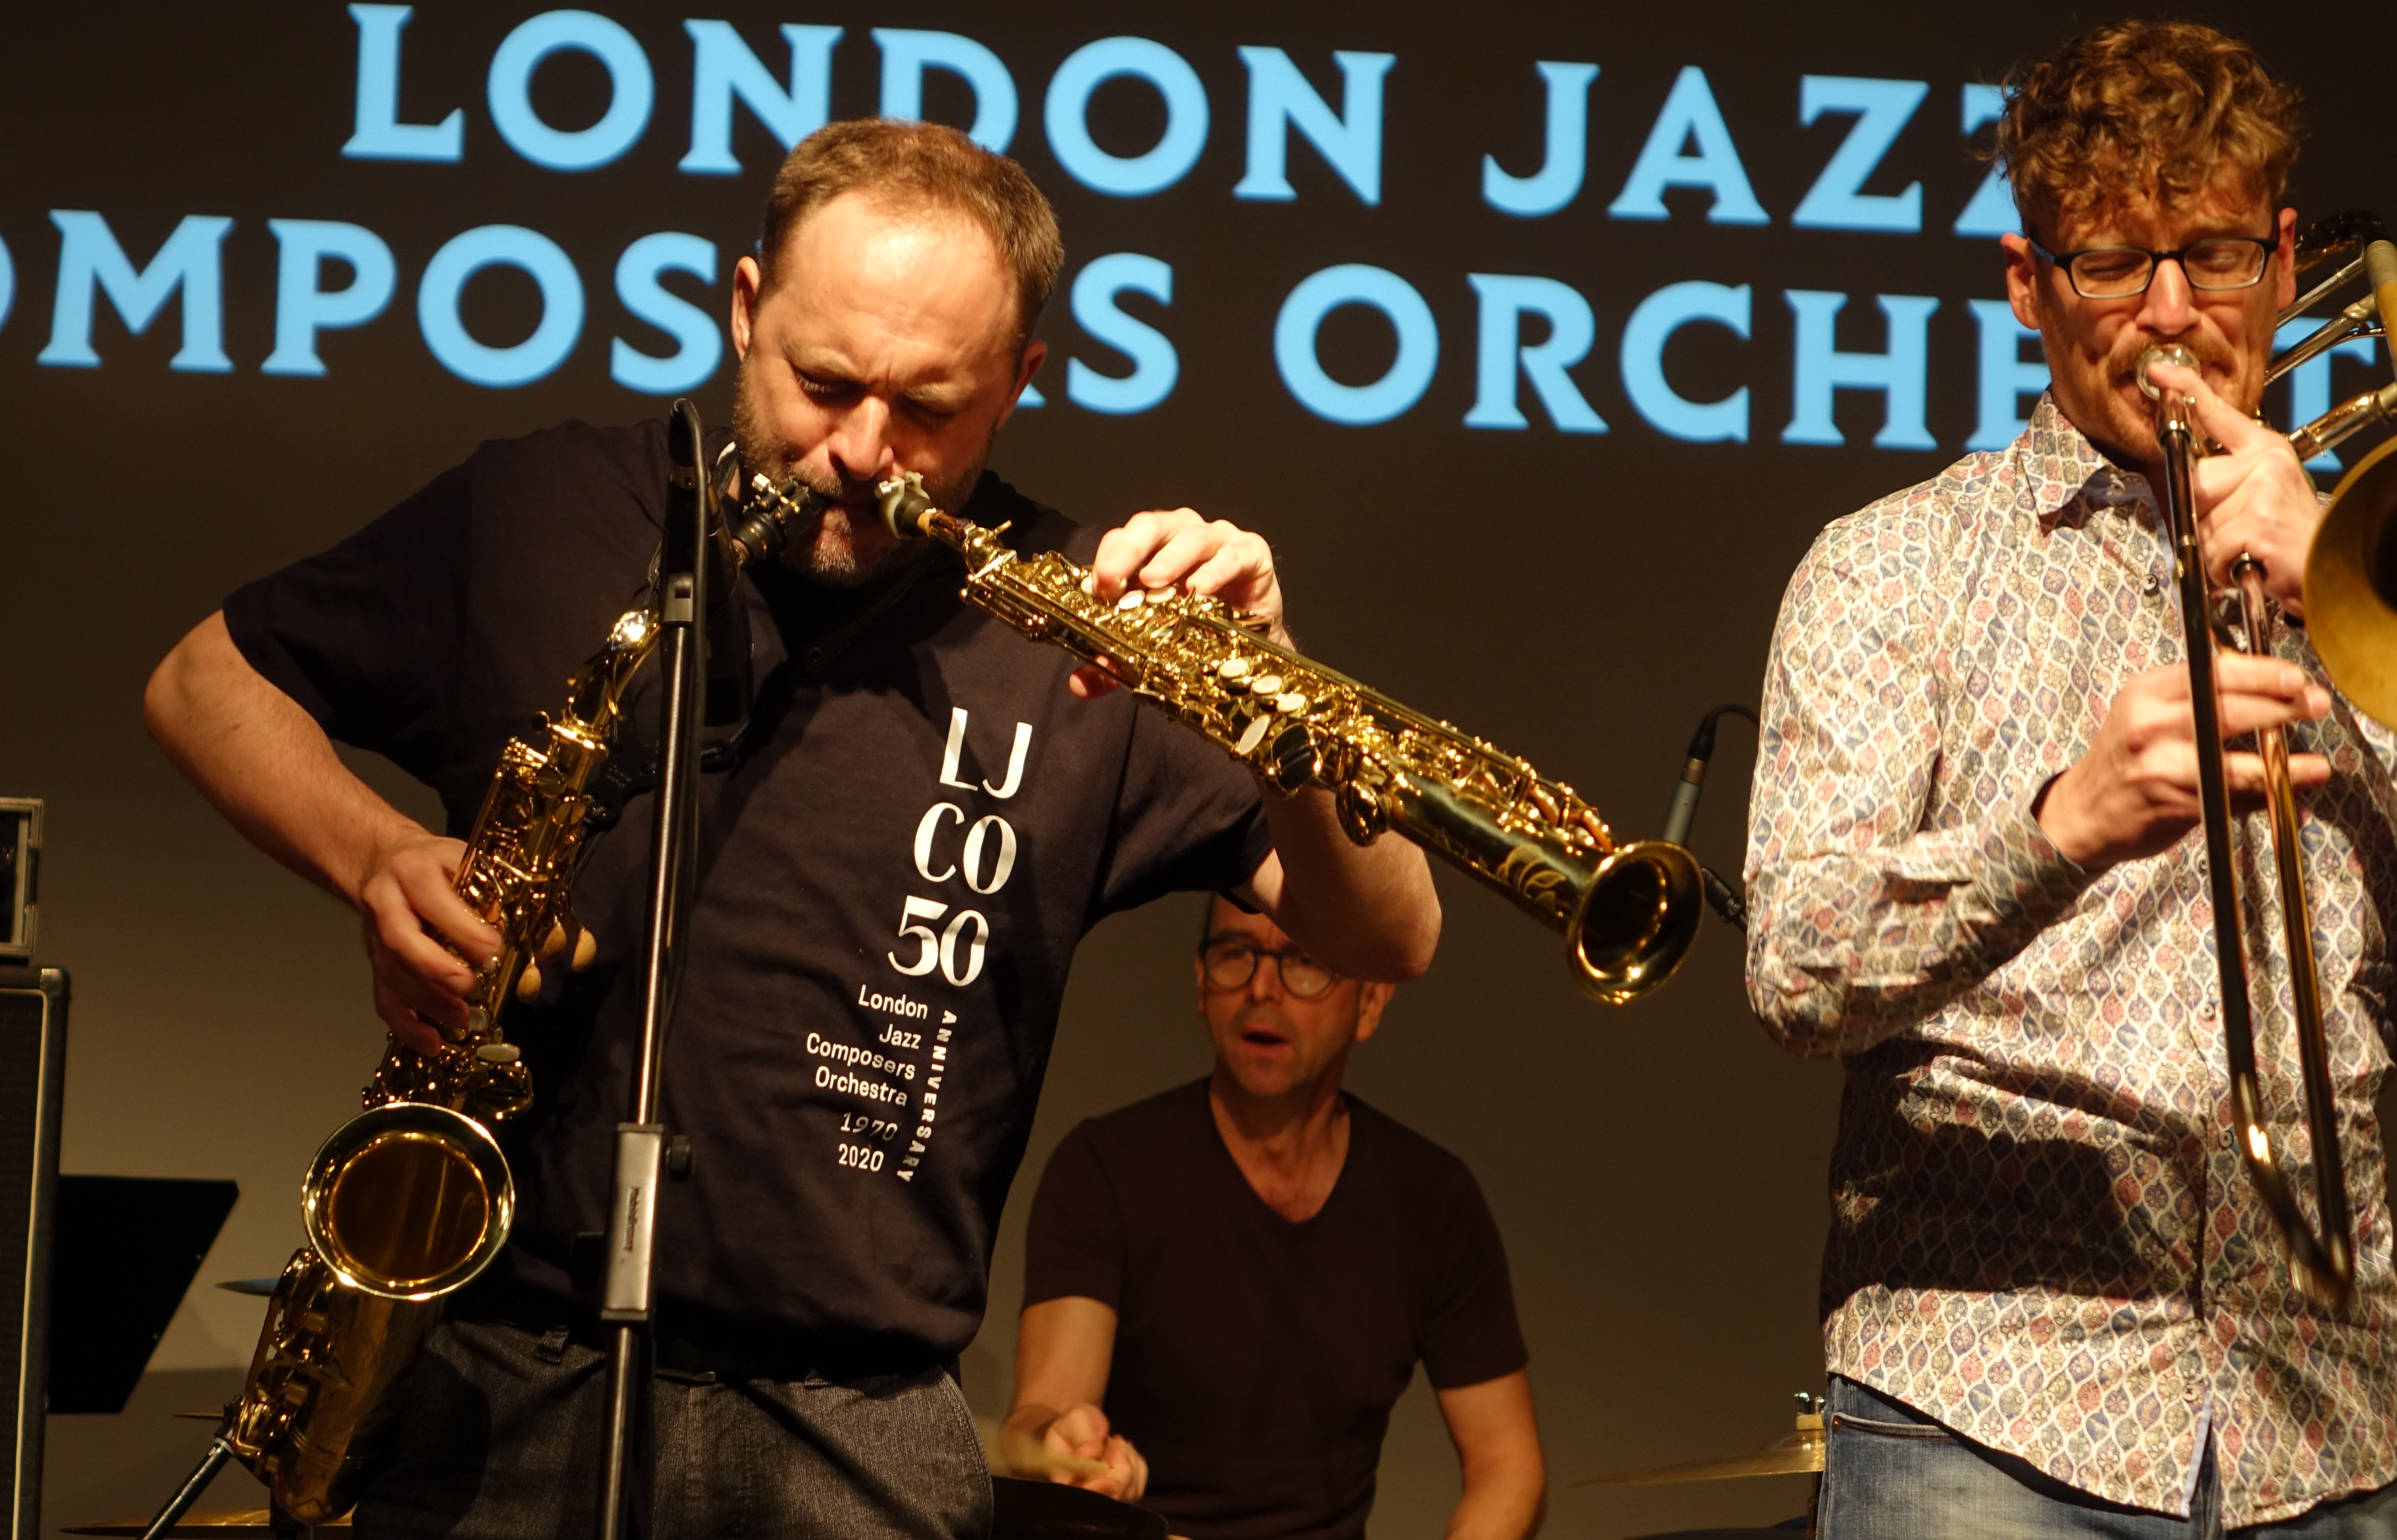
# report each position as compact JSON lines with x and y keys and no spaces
{"x":500,"y":1434}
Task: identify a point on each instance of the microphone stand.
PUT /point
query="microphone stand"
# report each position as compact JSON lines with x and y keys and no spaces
{"x":627,"y":1468}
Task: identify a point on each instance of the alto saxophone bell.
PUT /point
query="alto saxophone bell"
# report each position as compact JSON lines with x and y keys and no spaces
{"x":409,"y":1202}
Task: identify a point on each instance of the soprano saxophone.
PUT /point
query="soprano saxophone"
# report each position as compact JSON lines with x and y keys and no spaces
{"x":1628,"y":911}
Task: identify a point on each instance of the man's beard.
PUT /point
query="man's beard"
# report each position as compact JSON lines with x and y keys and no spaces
{"x":2133,"y":443}
{"x":836,"y":563}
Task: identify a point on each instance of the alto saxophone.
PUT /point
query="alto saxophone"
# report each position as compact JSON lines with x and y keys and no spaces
{"x":411,"y":1200}
{"x":1628,"y":911}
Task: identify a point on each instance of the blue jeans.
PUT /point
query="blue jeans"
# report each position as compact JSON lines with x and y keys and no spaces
{"x":1892,"y":1473}
{"x":500,"y":1435}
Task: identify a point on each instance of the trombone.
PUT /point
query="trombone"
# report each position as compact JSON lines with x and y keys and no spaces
{"x":2350,"y":594}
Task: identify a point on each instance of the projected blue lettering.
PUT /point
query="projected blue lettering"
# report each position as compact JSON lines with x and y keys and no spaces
{"x":1280,"y":100}
{"x":1897,"y":372}
{"x":1838,"y":201}
{"x":665,"y":333}
{"x":699,"y":344}
{"x":1176,"y":150}
{"x":906,"y":55}
{"x":722,"y":67}
{"x":189,"y":262}
{"x":512,"y":246}
{"x":2005,"y":377}
{"x":1354,"y":283}
{"x":302,"y":308}
{"x":1155,"y":364}
{"x":379,"y":133}
{"x":1991,"y":213}
{"x":1645,"y":336}
{"x":1572,"y":329}
{"x":1689,"y":115}
{"x":1558,"y":181}
{"x":632,"y":90}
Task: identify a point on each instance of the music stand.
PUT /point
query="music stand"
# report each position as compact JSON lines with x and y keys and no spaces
{"x":126,"y":1250}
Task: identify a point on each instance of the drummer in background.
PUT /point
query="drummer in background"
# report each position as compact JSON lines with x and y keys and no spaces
{"x":1227,"y":1287}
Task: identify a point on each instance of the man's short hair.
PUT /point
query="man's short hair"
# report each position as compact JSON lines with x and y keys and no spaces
{"x":2144,"y":110}
{"x":901,"y":161}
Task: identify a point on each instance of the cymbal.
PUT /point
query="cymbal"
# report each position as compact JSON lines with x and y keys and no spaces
{"x":223,"y":1525}
{"x":1793,"y":1454}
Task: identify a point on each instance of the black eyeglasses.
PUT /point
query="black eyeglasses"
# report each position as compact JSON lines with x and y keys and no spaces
{"x":2119,"y":272}
{"x":1231,"y":964}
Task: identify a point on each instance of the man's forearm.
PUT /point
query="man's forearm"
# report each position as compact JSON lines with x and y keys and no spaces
{"x":1367,"y":911}
{"x":1502,"y":1501}
{"x":265,"y":763}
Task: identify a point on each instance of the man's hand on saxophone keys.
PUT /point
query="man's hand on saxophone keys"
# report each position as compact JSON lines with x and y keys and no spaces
{"x":409,"y":908}
{"x":1180,"y":549}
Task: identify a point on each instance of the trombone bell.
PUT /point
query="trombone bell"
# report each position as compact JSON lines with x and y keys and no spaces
{"x":2351,"y":586}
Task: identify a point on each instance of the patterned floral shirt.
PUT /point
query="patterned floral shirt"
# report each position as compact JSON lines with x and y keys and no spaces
{"x":2041,"y":1233}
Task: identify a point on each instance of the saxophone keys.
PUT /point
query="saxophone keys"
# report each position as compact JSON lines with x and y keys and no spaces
{"x":1291,"y":705}
{"x":1250,"y":736}
{"x":528,"y":984}
{"x":1233,"y":668}
{"x":587,"y":946}
{"x":1132,"y":599}
{"x":498,"y":1053}
{"x":553,"y":941}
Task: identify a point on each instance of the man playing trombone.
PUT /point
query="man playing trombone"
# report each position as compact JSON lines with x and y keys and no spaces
{"x":2054,"y":1304}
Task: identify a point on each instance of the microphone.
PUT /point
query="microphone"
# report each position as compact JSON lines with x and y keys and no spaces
{"x":1684,"y":806}
{"x":693,"y":505}
{"x":1684,"y":810}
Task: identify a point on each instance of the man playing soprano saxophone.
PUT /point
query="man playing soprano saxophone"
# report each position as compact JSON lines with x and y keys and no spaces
{"x":2054,"y":1306}
{"x":916,"y":827}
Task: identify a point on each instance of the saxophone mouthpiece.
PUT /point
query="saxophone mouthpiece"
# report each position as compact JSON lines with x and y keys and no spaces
{"x":903,"y":504}
{"x":767,"y":514}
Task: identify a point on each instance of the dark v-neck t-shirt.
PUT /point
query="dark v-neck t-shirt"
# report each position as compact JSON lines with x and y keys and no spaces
{"x":1256,"y":1360}
{"x":917,"y":827}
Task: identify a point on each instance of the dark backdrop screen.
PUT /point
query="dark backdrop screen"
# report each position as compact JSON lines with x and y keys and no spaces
{"x":1540,"y":340}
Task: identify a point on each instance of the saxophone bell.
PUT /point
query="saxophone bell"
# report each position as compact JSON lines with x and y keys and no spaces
{"x":1636,"y":917}
{"x":409,"y":1202}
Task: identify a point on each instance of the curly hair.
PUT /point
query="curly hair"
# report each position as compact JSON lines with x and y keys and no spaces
{"x":2144,"y":110}
{"x":928,"y":163}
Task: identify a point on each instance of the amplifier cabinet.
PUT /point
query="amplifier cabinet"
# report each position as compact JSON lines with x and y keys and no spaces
{"x":32,"y":1066}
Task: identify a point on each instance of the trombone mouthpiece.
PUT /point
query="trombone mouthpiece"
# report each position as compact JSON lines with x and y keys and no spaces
{"x":2171,"y":353}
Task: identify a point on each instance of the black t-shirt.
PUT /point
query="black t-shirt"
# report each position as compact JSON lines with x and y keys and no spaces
{"x":1256,"y":1360}
{"x":919,"y":825}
